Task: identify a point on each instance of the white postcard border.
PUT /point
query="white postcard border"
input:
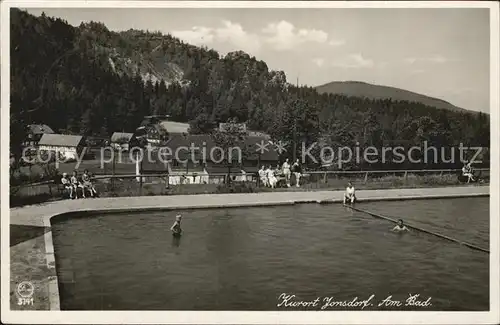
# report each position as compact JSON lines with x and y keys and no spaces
{"x":232,"y":317}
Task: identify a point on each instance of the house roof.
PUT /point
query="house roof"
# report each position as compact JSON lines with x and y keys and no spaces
{"x":251,"y":144}
{"x":154,"y":164}
{"x":251,"y":169}
{"x":175,"y":127}
{"x":63,"y":140}
{"x":190,"y":168}
{"x":120,"y":136}
{"x":221,"y":169}
{"x":151,"y":131}
{"x":256,"y":143}
{"x":186,"y":140}
{"x":178,"y":147}
{"x":258,"y":134}
{"x":40,"y":129}
{"x":153,"y":119}
{"x":224,"y":126}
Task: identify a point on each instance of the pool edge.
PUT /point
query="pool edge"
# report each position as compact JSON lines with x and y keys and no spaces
{"x":53,"y":281}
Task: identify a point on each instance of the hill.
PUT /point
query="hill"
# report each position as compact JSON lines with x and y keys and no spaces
{"x":363,"y":89}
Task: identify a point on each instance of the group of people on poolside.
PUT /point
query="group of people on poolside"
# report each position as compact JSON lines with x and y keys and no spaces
{"x":73,"y":183}
{"x":268,"y":176}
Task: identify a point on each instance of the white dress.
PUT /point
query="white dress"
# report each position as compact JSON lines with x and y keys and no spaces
{"x":286,"y":168}
{"x":272,"y":179}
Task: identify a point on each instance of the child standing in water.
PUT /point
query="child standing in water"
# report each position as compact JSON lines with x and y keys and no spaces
{"x":176,"y":227}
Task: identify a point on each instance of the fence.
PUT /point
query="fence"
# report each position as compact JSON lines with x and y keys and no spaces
{"x":198,"y":183}
{"x":146,"y":184}
{"x":319,"y":178}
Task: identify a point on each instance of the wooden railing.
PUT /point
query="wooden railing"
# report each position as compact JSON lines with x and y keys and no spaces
{"x":312,"y":179}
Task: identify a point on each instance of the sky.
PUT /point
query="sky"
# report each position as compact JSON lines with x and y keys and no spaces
{"x":439,"y":52}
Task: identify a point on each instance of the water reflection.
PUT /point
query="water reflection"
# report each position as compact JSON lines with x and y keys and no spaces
{"x":348,"y":210}
{"x":176,"y":240}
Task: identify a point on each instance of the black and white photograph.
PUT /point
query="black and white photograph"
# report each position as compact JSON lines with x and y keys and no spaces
{"x":250,"y":162}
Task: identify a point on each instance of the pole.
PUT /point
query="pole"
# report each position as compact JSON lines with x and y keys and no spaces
{"x":376,"y":215}
{"x":137,"y":168}
{"x":295,"y":122}
{"x":294,"y":139}
{"x":140,"y":172}
{"x":113,"y":172}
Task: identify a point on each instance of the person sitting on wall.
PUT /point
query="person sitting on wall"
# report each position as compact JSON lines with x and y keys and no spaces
{"x":263,"y":176}
{"x":87,"y":184}
{"x":467,"y":171}
{"x":75,"y":183}
{"x":67,"y":184}
{"x":278,"y":173}
{"x":271,"y":177}
{"x":350,"y":194}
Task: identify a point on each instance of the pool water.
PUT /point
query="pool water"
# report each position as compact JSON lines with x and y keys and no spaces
{"x":245,"y":258}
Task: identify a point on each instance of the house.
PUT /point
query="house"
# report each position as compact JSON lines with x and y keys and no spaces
{"x":244,"y":129}
{"x":123,"y":140}
{"x":151,"y":131}
{"x":97,"y":141}
{"x":153,"y":135}
{"x":35,"y":132}
{"x":196,"y":159}
{"x":68,"y":146}
{"x":157,"y":129}
{"x":224,"y":126}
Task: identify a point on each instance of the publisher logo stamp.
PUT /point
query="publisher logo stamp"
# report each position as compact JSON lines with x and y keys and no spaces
{"x":25,"y":291}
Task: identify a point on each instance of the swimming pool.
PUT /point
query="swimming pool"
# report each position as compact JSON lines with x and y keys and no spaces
{"x":245,"y":258}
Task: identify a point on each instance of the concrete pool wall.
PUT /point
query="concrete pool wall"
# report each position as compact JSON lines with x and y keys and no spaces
{"x":44,"y":215}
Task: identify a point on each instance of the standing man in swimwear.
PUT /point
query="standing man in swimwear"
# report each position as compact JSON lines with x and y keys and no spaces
{"x":287,"y":172}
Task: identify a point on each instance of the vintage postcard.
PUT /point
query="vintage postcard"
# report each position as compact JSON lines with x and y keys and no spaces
{"x":250,"y":162}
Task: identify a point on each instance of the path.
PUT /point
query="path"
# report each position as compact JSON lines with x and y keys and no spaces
{"x":38,"y":215}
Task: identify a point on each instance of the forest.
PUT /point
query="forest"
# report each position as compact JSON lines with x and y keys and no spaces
{"x":89,"y":80}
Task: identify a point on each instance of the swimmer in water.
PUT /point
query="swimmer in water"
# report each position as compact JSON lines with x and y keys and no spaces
{"x":400,"y":227}
{"x":176,"y":227}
